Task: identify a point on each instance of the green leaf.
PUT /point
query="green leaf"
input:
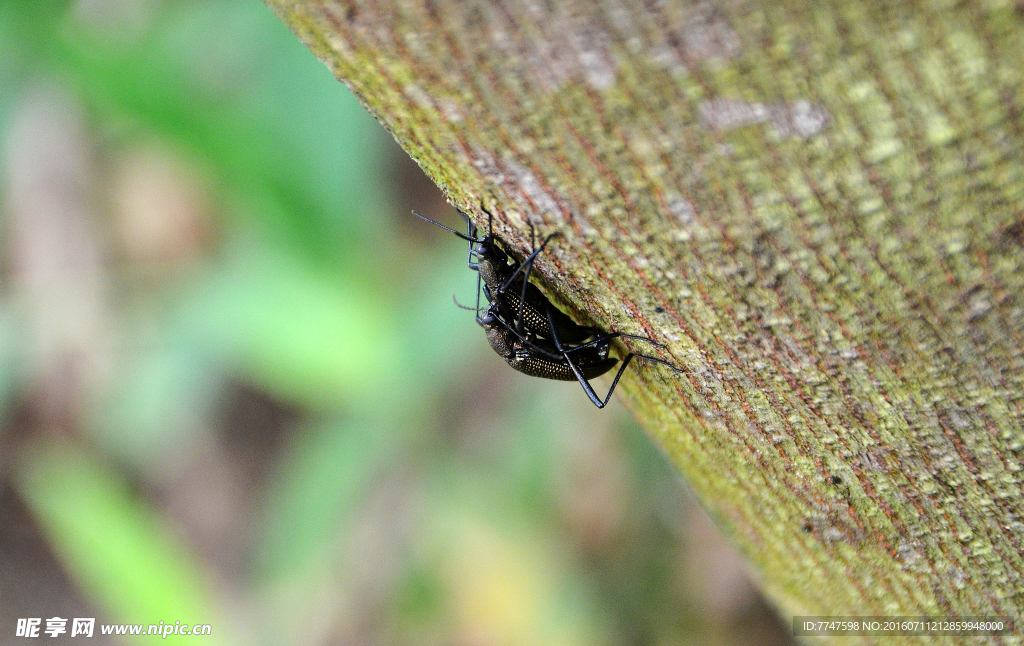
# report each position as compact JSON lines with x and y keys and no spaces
{"x":125,"y":559}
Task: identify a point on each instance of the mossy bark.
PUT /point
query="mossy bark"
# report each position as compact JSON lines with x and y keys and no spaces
{"x":818,"y":208}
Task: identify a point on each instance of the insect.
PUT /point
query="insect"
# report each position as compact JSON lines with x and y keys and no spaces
{"x":506,"y":285}
{"x":549,"y":359}
{"x":531,"y":334}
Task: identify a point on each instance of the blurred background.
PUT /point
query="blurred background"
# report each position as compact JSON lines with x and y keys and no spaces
{"x":234,"y":388}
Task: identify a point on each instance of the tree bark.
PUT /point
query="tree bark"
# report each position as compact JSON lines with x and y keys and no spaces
{"x":819,"y":209}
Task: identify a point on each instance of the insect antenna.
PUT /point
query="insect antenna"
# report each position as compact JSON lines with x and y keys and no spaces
{"x":468,"y":307}
{"x":458,"y":233}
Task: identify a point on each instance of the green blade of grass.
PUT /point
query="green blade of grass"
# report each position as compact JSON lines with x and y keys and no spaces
{"x":124,"y":559}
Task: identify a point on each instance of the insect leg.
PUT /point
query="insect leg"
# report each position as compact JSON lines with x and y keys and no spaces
{"x":622,"y":368}
{"x":478,"y":286}
{"x":655,"y":360}
{"x":524,"y":268}
{"x":615,"y":382}
{"x":625,"y":361}
{"x":587,"y":388}
{"x":526,"y":265}
{"x":614,"y":335}
{"x":620,"y":335}
{"x":638,"y":356}
{"x":471,"y":237}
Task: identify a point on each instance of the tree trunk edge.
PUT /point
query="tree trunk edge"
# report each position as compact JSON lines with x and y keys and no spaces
{"x":850,"y":547}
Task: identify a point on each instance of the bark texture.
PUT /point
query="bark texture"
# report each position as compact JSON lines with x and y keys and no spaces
{"x":818,"y":208}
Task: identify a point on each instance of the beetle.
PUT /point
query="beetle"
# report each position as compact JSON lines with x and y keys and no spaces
{"x":550,"y":359}
{"x":506,"y":282}
{"x":538,"y":340}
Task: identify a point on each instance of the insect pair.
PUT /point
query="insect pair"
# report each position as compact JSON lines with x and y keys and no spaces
{"x":527,"y":330}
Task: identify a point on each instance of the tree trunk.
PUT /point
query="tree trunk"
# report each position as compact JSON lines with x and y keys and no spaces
{"x":818,"y":209}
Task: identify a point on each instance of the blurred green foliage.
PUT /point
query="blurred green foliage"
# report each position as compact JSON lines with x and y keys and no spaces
{"x":113,"y":543}
{"x":277,"y":422}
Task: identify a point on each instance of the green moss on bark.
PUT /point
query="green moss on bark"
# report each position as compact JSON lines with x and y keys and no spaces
{"x":818,"y":208}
